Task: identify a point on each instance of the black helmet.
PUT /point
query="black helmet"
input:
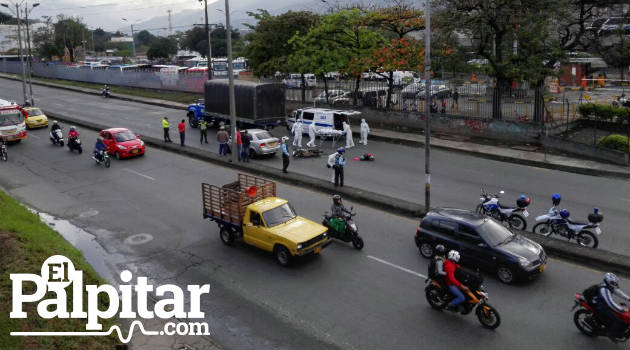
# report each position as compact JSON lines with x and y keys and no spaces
{"x":440,"y":250}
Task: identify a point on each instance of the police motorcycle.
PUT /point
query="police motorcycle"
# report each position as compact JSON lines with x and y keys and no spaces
{"x":513,"y":216}
{"x":557,"y":221}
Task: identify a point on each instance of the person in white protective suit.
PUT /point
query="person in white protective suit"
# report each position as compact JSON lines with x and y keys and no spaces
{"x":365,"y":130}
{"x":349,"y":141}
{"x":311,"y":134}
{"x":330,"y":163}
{"x":297,"y":133}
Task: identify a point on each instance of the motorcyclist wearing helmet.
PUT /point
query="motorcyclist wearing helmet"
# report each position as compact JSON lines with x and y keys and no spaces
{"x":337,"y":217}
{"x":450,"y":265}
{"x":607,"y":309}
{"x":55,"y":126}
{"x":440,"y":258}
{"x":99,"y":148}
{"x":73,"y":133}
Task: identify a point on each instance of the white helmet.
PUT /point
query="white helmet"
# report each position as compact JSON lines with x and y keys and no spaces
{"x":453,"y":255}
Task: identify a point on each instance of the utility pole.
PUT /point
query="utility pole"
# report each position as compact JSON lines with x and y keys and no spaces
{"x":133,"y":40}
{"x":17,"y":9}
{"x":231,"y":81}
{"x":170,"y":24}
{"x":427,"y":106}
{"x":30,"y":56}
{"x":208,"y":33}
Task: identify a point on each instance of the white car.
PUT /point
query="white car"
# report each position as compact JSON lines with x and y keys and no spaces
{"x":263,"y":143}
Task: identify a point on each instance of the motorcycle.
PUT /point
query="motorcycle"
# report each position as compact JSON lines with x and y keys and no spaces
{"x":56,"y":137}
{"x":105,"y":93}
{"x":306,"y":152}
{"x":101,"y":157}
{"x":586,"y":320}
{"x":621,"y":101}
{"x":490,"y":206}
{"x":554,"y":223}
{"x":439,"y":296}
{"x":3,"y":151}
{"x":75,"y":143}
{"x":350,"y":231}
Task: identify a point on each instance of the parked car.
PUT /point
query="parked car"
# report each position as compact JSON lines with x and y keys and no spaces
{"x":263,"y":143}
{"x":410,"y":91}
{"x":482,"y":243}
{"x":332,"y":96}
{"x":295,"y":80}
{"x":122,"y":143}
{"x":36,"y":118}
{"x":437,"y":92}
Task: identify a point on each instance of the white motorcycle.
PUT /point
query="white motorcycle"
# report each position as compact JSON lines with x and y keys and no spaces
{"x":558,"y":222}
{"x":3,"y":151}
{"x":513,"y":216}
{"x":56,"y":137}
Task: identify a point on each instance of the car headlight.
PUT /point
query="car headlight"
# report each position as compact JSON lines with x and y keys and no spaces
{"x":121,"y":147}
{"x":524,"y":262}
{"x":299,"y":246}
{"x":354,"y":226}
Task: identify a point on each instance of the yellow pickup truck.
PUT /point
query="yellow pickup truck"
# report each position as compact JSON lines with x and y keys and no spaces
{"x":248,"y":209}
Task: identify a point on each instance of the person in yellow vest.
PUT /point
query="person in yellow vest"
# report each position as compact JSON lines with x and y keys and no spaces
{"x":166,"y":126}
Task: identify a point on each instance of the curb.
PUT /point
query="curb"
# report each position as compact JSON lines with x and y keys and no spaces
{"x":596,"y":258}
{"x":407,"y":142}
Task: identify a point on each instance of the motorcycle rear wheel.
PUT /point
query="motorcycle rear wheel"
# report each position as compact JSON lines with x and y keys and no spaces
{"x":580,"y":320}
{"x":434,"y":296}
{"x":587,"y":239}
{"x":517,"y":222}
{"x":107,"y":163}
{"x":488,"y":316}
{"x":542,"y":228}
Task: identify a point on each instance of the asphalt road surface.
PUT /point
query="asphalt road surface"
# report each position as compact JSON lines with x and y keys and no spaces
{"x":398,"y":170}
{"x":369,"y":299}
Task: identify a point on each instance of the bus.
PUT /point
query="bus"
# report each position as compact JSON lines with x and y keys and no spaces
{"x":12,"y":121}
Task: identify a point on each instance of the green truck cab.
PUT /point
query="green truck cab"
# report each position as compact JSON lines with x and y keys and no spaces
{"x":248,"y":209}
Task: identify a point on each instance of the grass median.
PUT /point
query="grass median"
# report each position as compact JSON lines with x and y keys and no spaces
{"x":25,"y":243}
{"x":174,"y":96}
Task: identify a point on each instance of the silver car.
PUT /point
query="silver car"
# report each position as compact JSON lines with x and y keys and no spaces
{"x":263,"y":143}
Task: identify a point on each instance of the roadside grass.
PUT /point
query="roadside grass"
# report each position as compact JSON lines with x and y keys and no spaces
{"x":25,"y":243}
{"x":174,"y":96}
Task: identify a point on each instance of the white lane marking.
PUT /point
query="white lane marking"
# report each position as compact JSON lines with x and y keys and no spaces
{"x":397,"y":267}
{"x":139,"y":174}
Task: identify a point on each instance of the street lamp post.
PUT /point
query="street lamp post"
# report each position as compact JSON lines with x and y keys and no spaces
{"x":208,"y":32}
{"x":29,"y":61}
{"x":17,"y":14}
{"x":228,"y":30}
{"x":427,"y":106}
{"x":133,"y":39}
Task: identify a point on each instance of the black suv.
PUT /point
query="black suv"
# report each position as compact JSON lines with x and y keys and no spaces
{"x":482,"y":243}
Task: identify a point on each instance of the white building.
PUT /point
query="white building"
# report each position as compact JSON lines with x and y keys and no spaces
{"x":8,"y":35}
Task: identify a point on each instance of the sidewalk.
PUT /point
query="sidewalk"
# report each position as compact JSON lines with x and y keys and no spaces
{"x":504,"y":154}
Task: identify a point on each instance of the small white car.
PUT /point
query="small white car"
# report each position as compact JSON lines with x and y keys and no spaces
{"x":263,"y":143}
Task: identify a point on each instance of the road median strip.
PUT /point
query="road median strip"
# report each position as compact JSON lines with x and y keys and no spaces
{"x":593,"y":258}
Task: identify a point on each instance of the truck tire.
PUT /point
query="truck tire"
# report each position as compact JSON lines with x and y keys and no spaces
{"x":227,"y":235}
{"x":282,"y":255}
{"x":192,"y":121}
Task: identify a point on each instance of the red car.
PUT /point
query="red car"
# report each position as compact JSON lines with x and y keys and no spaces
{"x":122,"y":143}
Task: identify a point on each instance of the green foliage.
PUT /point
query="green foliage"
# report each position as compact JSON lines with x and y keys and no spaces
{"x":604,"y":112}
{"x":69,"y":33}
{"x":162,"y":48}
{"x":615,"y":141}
{"x":144,"y":38}
{"x":196,"y":39}
{"x":269,"y":44}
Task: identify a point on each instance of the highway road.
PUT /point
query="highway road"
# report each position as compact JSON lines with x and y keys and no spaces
{"x":369,"y":299}
{"x":398,"y":170}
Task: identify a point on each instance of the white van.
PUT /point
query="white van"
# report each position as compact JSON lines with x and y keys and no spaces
{"x":323,"y":118}
{"x":294,"y":80}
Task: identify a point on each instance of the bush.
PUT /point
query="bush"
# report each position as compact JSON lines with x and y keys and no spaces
{"x":615,"y":141}
{"x":604,"y":112}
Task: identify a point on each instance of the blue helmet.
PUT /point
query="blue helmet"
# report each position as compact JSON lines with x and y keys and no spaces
{"x":564,"y":213}
{"x":556,"y":198}
{"x":341,"y":150}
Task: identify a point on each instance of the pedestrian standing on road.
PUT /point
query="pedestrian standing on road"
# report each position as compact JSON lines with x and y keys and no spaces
{"x":340,"y":162}
{"x":443,"y":103}
{"x":311,"y":134}
{"x":239,"y":143}
{"x":181,"y":127}
{"x":222,"y":138}
{"x":247,"y":139}
{"x":203,"y":129}
{"x":455,"y":98}
{"x":365,"y":130}
{"x":349,"y":141}
{"x":297,"y":133}
{"x":166,"y":126}
{"x":285,"y":154}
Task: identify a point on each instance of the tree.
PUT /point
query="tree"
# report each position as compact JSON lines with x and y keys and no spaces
{"x":196,"y":39}
{"x":101,"y":37}
{"x":614,"y":48}
{"x":145,"y":38}
{"x":162,"y":48}
{"x":44,"y":41}
{"x":269,"y":48}
{"x":69,"y":33}
{"x":399,"y":53}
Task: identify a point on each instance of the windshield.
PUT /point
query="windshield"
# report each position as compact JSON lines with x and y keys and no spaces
{"x":35,"y":112}
{"x":263,"y":135}
{"x":279,"y":215}
{"x":494,"y":233}
{"x":11,"y":117}
{"x":124,"y":136}
{"x":238,"y":65}
{"x":220,"y":67}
